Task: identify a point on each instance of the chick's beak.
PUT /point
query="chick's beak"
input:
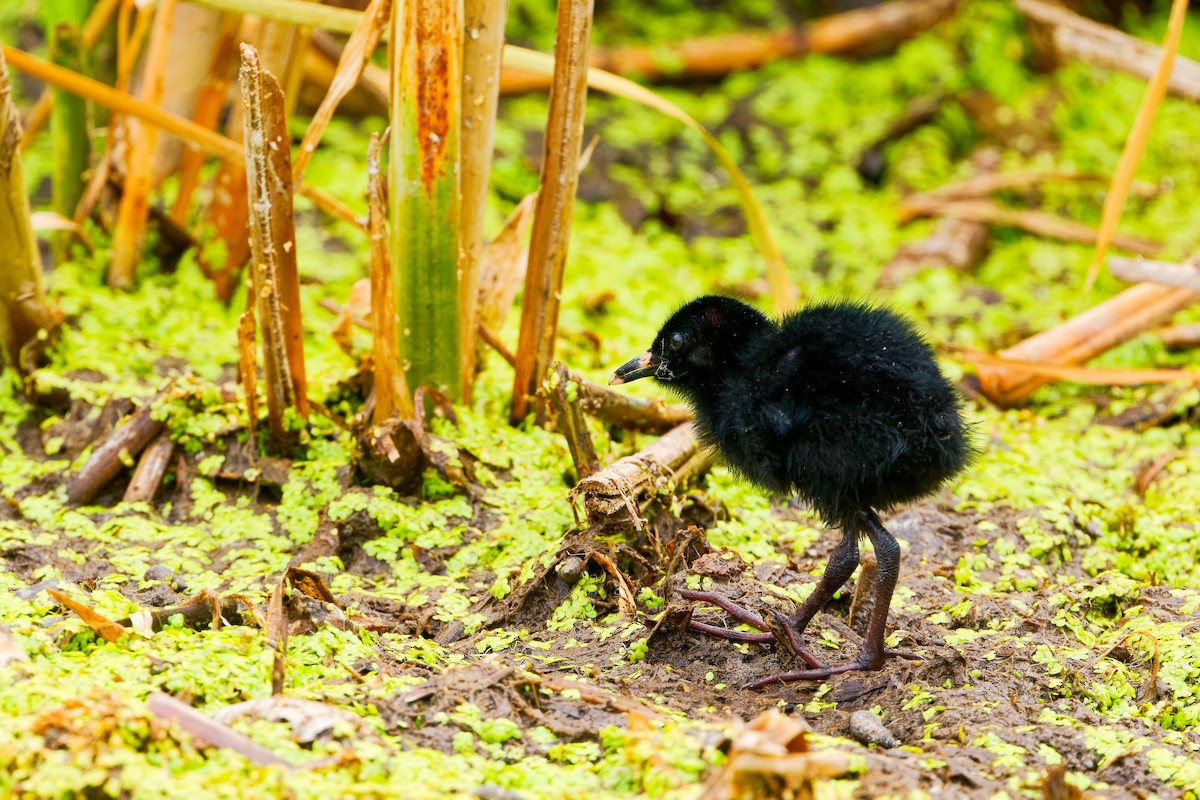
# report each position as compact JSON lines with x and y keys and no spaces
{"x":644,"y":365}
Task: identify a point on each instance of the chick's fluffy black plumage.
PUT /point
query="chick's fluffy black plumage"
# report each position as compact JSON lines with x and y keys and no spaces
{"x":840,"y":402}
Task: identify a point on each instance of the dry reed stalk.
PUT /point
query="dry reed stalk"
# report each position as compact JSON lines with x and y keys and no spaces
{"x":555,"y":204}
{"x":275,"y":283}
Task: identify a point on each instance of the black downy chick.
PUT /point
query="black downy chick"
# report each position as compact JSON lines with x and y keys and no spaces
{"x":841,"y":403}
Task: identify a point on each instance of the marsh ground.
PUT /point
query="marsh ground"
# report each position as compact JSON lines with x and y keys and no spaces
{"x":1052,"y":591}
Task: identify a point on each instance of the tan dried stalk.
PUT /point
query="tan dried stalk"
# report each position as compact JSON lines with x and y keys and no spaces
{"x":391,"y":389}
{"x":555,"y":204}
{"x":134,"y":209}
{"x":483,"y":52}
{"x":275,"y":284}
{"x":23,"y":310}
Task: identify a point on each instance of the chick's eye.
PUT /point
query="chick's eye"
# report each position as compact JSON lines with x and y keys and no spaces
{"x":676,"y":341}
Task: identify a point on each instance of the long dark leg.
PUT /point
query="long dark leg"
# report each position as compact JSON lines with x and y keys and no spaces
{"x":887,"y":554}
{"x":787,"y":630}
{"x":842,"y":563}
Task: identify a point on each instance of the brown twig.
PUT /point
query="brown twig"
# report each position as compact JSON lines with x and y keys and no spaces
{"x":873,"y":29}
{"x":107,"y":460}
{"x":151,"y":467}
{"x":209,"y":730}
{"x":1180,"y":337}
{"x":1164,"y":273}
{"x":563,"y":394}
{"x":277,"y":636}
{"x":1039,"y":223}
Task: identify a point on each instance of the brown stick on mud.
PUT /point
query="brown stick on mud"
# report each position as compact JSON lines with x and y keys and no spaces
{"x":1077,"y":37}
{"x":628,"y":484}
{"x":151,"y":467}
{"x":108,"y":459}
{"x":1084,"y":337}
{"x":276,"y":285}
{"x":563,"y":393}
{"x":873,"y":30}
{"x":167,"y":708}
{"x":1033,"y":221}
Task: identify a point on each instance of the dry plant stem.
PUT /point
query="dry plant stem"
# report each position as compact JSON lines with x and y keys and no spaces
{"x":151,"y":467}
{"x":483,"y":51}
{"x":248,"y":371}
{"x":134,"y":209}
{"x":23,"y":310}
{"x":493,"y":341}
{"x":426,"y":68}
{"x":96,"y":24}
{"x":1180,"y":337}
{"x":194,"y":43}
{"x":107,"y":460}
{"x":1084,"y":337}
{"x":101,"y":625}
{"x":1135,"y":145}
{"x":209,"y":730}
{"x":208,"y":107}
{"x":1078,"y":37}
{"x":953,"y":243}
{"x":391,"y":389}
{"x":875,"y":28}
{"x":555,"y":203}
{"x":571,"y":422}
{"x":1036,"y":222}
{"x":119,"y":101}
{"x":276,"y":286}
{"x":355,"y":56}
{"x":628,"y":484}
{"x":1165,"y":273}
{"x":277,"y":636}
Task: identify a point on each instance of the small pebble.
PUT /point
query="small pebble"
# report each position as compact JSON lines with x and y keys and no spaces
{"x":161,"y":572}
{"x":570,"y":569}
{"x":865,"y":727}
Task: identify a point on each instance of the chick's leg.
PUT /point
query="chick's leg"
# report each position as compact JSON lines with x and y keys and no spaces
{"x":786,"y":630}
{"x":873,"y":653}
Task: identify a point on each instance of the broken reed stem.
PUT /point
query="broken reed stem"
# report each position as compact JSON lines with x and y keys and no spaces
{"x":391,"y":389}
{"x":629,"y":483}
{"x":151,"y":468}
{"x":1135,"y":145}
{"x":134,"y":209}
{"x":248,"y":371}
{"x":483,"y":52}
{"x":1084,"y":337}
{"x":275,"y":285}
{"x":23,"y":309}
{"x":425,"y":60}
{"x":563,"y":393}
{"x":107,"y":460}
{"x":277,"y":638}
{"x":555,"y":203}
